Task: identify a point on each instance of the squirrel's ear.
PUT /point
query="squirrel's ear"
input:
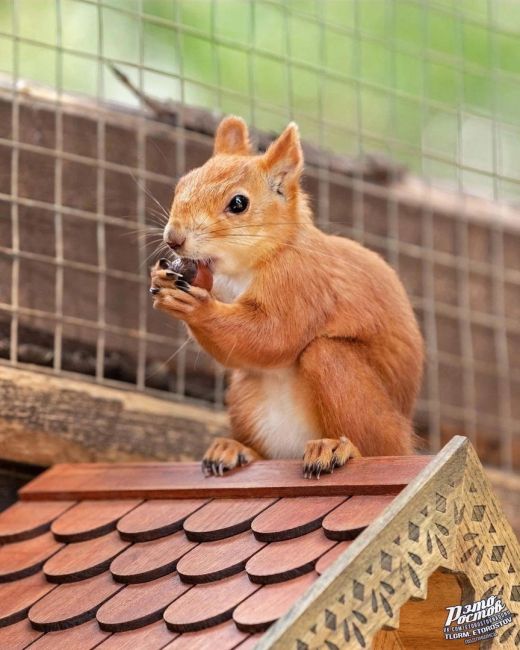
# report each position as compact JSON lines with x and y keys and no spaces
{"x":232,"y":137}
{"x":283,"y":159}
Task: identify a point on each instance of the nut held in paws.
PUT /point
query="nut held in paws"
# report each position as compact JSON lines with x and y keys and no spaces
{"x":194,"y":272}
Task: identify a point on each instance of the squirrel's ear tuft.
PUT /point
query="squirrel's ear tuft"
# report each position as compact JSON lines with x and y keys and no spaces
{"x":283,"y":159}
{"x":232,"y":137}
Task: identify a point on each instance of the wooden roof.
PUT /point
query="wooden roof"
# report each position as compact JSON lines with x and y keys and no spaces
{"x":151,"y":556}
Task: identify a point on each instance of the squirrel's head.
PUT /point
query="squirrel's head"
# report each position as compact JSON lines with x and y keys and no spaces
{"x":238,"y":207}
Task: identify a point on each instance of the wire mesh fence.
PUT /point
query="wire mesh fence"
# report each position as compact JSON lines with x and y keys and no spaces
{"x":434,"y":86}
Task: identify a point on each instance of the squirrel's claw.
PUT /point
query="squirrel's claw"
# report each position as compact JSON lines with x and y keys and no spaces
{"x":213,"y":468}
{"x":224,"y":455}
{"x":183,"y":285}
{"x":324,"y":455}
{"x":313,"y":470}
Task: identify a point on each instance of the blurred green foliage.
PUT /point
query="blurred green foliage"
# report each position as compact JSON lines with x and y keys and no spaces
{"x":435,"y":84}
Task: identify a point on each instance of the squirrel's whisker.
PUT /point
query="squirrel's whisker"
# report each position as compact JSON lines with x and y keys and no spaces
{"x":162,"y":248}
{"x":291,"y":245}
{"x":170,"y":358}
{"x":149,"y":194}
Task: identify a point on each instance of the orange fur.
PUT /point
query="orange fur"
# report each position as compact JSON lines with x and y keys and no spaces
{"x":319,"y":321}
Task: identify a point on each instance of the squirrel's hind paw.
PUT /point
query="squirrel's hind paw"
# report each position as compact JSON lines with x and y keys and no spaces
{"x":324,"y":455}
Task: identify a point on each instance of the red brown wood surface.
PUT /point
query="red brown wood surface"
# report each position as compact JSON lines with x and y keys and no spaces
{"x":138,"y":605}
{"x":84,"y":559}
{"x":222,"y":518}
{"x":285,"y":560}
{"x":150,"y":560}
{"x":154,"y":519}
{"x":151,"y":637}
{"x":353,"y":516}
{"x":18,"y":636}
{"x":331,"y":556}
{"x":209,"y":604}
{"x":89,"y":519}
{"x":215,"y":560}
{"x":72,"y":604}
{"x":17,"y":597}
{"x":219,"y":637}
{"x":22,"y":559}
{"x":292,"y":517}
{"x":251,"y":642}
{"x":82,"y":637}
{"x":274,"y":478}
{"x":269,"y":603}
{"x":23,"y":521}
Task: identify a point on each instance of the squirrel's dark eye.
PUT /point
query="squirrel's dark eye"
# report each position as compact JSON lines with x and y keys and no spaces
{"x":238,"y":204}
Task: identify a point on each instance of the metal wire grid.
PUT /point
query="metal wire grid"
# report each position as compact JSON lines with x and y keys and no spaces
{"x":221,"y":92}
{"x":321,"y":126}
{"x":62,"y":264}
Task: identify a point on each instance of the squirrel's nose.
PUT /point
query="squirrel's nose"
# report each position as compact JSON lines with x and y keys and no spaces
{"x":175,"y":240}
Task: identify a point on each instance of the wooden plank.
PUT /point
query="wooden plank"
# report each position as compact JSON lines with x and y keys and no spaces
{"x":331,"y":556}
{"x":353,"y":516}
{"x":90,"y":519}
{"x":151,"y":637}
{"x":18,"y":636}
{"x":225,"y":636}
{"x":251,"y":642}
{"x":85,"y":636}
{"x":71,"y":604}
{"x":209,"y":604}
{"x":288,"y":559}
{"x":102,"y":423}
{"x":17,"y":597}
{"x":184,"y":480}
{"x":136,"y":606}
{"x":259,"y":611}
{"x":155,"y":519}
{"x":292,"y":517}
{"x":220,"y":519}
{"x":216,"y":560}
{"x":84,"y":559}
{"x":146,"y":561}
{"x":24,"y":521}
{"x":22,"y":559}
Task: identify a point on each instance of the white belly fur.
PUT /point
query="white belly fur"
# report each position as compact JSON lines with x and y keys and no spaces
{"x":281,"y":424}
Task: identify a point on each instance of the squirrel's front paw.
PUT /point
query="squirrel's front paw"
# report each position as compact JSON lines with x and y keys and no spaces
{"x":322,"y":456}
{"x":225,"y":454}
{"x":183,"y":301}
{"x":174,"y":295}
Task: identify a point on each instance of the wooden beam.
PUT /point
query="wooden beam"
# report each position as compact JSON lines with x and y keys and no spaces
{"x":185,"y":480}
{"x":46,"y":419}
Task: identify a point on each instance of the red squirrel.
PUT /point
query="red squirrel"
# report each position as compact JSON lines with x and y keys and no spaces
{"x":325,"y":351}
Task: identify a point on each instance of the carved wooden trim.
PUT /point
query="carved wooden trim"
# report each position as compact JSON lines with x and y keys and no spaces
{"x":487,"y":550}
{"x":448,"y":518}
